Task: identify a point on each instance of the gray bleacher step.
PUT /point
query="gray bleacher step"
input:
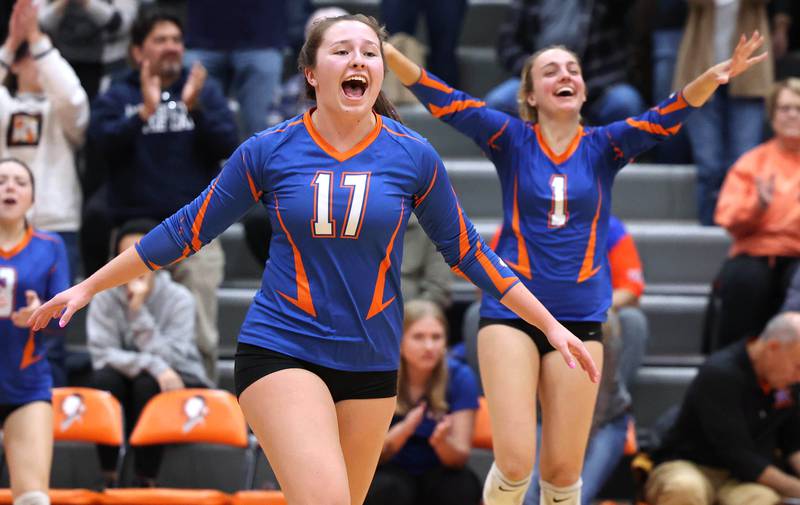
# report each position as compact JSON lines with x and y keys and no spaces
{"x":656,"y":389}
{"x":641,"y":191}
{"x":233,"y":305}
{"x":672,"y":252}
{"x":675,"y":323}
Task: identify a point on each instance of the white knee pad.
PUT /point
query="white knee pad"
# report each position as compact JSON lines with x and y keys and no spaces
{"x":500,"y":490}
{"x":554,"y":495}
{"x":32,"y":498}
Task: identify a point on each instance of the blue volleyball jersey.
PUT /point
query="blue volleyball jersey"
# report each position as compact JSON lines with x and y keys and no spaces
{"x":38,"y":263}
{"x":330,"y":293}
{"x":555,"y":207}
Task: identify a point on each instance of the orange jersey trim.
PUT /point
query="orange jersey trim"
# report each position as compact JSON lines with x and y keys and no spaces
{"x":401,"y":134}
{"x":678,"y":104}
{"x":649,"y":127}
{"x":587,"y":269}
{"x":26,"y":239}
{"x":303,"y":301}
{"x":421,"y":199}
{"x":332,"y":151}
{"x":251,"y":183}
{"x":281,"y":130}
{"x":377,"y":306}
{"x":497,"y":135}
{"x":501,"y":283}
{"x":426,"y":81}
{"x":455,"y":106}
{"x":463,"y":238}
{"x":28,"y":356}
{"x":558,"y":158}
{"x":201,"y":215}
{"x":524,"y":263}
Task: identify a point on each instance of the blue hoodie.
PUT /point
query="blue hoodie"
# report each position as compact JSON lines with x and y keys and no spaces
{"x":155,"y":168}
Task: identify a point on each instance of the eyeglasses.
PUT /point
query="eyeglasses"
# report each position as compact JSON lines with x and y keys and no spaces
{"x":785,"y":109}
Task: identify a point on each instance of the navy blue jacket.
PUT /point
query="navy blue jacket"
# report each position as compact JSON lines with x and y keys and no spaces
{"x":241,"y":24}
{"x":155,"y":168}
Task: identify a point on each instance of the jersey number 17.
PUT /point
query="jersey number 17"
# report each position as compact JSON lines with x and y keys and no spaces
{"x":323,"y":225}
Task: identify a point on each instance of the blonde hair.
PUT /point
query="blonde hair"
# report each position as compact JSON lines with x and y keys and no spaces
{"x":436,"y":389}
{"x":792,"y":84}
{"x":527,"y":111}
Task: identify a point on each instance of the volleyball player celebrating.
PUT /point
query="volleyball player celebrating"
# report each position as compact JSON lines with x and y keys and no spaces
{"x":316,"y":366}
{"x":33,"y":266}
{"x":556,"y":179}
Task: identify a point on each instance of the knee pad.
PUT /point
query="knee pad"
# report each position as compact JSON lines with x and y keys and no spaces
{"x":32,"y":498}
{"x":554,"y":495}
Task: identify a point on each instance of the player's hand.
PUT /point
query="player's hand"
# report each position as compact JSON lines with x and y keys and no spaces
{"x":62,"y":307}
{"x":20,"y":317}
{"x":16,"y":35}
{"x":571,"y":349}
{"x":442,"y":431}
{"x":151,"y":91}
{"x":169,"y":380}
{"x":194,"y":85}
{"x":28,"y":20}
{"x":742,"y":58}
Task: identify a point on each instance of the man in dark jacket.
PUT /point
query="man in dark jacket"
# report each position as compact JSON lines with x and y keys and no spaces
{"x":162,"y":130}
{"x":737,"y":437}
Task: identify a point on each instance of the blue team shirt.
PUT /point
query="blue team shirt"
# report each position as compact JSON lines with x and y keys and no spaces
{"x":417,"y":455}
{"x":330,"y":293}
{"x":555,"y":207}
{"x":38,"y":263}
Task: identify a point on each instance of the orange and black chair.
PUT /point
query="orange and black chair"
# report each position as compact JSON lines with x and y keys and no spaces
{"x":207,"y":450}
{"x":82,"y":418}
{"x":481,"y":456}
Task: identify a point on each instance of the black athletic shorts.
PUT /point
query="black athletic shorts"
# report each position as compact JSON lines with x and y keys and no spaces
{"x":253,"y":362}
{"x":6,"y":409}
{"x":587,"y":331}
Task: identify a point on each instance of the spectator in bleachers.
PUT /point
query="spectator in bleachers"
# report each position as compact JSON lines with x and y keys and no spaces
{"x":141,"y":339}
{"x":163,"y":130}
{"x":759,"y":207}
{"x":44,"y":113}
{"x":732,"y":122}
{"x":241,"y":45}
{"x":426,"y":449}
{"x":595,"y":31}
{"x":33,"y":267}
{"x":444,"y":19}
{"x":736,"y":440}
{"x":93,"y":36}
{"x":424,"y":274}
{"x":624,"y":340}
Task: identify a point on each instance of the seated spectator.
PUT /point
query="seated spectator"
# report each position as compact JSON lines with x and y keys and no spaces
{"x":430,"y":438}
{"x":731,"y":123}
{"x":44,"y":114}
{"x":759,"y":207}
{"x":241,"y":46}
{"x":93,"y":36}
{"x":624,"y":340}
{"x":444,"y":19}
{"x":424,"y":274}
{"x":141,"y":339}
{"x":163,"y":130}
{"x":737,"y":436}
{"x":595,"y":31}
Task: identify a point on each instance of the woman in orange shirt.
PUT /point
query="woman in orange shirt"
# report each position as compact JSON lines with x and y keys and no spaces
{"x":759,"y":205}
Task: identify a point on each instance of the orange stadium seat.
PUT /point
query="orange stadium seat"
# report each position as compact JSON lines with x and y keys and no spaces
{"x":207,"y":454}
{"x":482,"y":436}
{"x":82,"y":418}
{"x":258,"y":498}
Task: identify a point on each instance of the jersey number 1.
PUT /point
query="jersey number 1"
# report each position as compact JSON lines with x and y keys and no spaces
{"x":323,"y":224}
{"x":558,"y":215}
{"x":8,"y":285}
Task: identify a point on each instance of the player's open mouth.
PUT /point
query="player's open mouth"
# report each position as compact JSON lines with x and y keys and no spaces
{"x":565,"y":92}
{"x":9,"y":201}
{"x":355,"y":86}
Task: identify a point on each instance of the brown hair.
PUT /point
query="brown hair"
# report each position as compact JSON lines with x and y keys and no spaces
{"x":436,"y":391}
{"x":791,"y":83}
{"x":526,"y":111}
{"x":308,"y":55}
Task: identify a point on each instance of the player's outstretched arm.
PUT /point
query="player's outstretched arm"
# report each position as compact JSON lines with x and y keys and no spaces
{"x":528,"y":307}
{"x":63,"y":306}
{"x":700,"y":90}
{"x":407,"y":71}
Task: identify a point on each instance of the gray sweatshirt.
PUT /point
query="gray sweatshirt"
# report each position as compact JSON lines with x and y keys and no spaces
{"x":160,"y":336}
